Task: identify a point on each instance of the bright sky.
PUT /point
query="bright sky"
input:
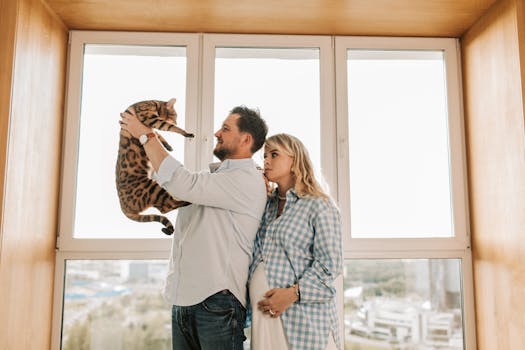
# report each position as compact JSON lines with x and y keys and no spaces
{"x":398,"y":143}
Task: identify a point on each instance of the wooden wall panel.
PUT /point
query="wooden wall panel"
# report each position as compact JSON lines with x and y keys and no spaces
{"x":494,"y":111}
{"x":8,"y":15}
{"x":32,"y":169}
{"x":8,"y":10}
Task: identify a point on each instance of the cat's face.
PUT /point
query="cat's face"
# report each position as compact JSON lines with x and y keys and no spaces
{"x":152,"y":111}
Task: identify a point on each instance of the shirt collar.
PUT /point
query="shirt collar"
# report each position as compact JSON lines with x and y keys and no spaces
{"x":232,"y":164}
{"x":291,"y":195}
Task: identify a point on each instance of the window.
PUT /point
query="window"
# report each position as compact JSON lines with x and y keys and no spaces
{"x":114,"y":77}
{"x":381,"y":118}
{"x":408,"y":303}
{"x":109,"y":72}
{"x":402,"y":194}
{"x":286,"y":77}
{"x":283,"y":83}
{"x":408,"y":187}
{"x":115,"y":304}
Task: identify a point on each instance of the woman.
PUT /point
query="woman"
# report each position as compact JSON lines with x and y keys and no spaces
{"x":297,"y":255}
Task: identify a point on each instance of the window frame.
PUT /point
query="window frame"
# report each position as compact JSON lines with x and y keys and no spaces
{"x":457,"y":160}
{"x":333,"y":142}
{"x":60,"y":277}
{"x":456,"y":247}
{"x":77,"y":40}
{"x":327,"y":107}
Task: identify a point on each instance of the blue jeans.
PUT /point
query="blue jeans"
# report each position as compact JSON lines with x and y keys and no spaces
{"x":217,"y":323}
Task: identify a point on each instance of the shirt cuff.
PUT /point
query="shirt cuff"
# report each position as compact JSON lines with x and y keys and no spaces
{"x":166,"y":169}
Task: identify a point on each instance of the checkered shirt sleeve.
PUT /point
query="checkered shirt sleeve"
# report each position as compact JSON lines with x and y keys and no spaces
{"x":303,"y":246}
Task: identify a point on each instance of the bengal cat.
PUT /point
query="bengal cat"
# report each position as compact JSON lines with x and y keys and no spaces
{"x":136,"y":190}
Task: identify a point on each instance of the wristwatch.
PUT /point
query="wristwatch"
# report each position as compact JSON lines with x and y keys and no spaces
{"x":144,"y":138}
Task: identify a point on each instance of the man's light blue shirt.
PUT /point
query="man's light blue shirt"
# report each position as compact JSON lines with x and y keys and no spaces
{"x":213,"y":238}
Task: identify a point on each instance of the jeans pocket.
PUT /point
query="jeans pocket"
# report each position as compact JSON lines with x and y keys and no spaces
{"x":221,"y":319}
{"x":219,"y":304}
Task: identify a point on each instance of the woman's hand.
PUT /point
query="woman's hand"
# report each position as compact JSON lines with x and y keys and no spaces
{"x":131,"y":124}
{"x":277,"y":300}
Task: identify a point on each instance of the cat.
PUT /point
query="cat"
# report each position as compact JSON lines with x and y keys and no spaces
{"x":136,"y":190}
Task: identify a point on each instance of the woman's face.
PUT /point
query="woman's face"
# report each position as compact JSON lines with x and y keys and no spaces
{"x":277,"y":164}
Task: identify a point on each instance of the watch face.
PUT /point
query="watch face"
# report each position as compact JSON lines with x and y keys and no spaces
{"x":143,"y":139}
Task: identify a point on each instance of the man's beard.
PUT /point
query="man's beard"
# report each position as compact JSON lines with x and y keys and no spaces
{"x":221,"y":153}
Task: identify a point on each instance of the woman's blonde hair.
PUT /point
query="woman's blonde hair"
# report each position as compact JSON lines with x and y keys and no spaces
{"x":302,"y":169}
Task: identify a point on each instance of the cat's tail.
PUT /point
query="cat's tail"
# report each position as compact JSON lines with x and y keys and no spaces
{"x":168,"y":226}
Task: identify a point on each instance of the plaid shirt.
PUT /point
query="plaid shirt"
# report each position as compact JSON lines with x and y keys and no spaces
{"x":303,"y":245}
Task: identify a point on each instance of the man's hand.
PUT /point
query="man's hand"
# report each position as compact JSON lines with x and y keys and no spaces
{"x":131,"y":124}
{"x":269,"y":186}
{"x":154,"y":150}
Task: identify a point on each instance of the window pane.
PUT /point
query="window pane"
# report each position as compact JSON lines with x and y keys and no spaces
{"x":115,"y":304}
{"x":282,"y":83}
{"x":398,"y":144}
{"x":114,"y":77}
{"x":403,"y":304}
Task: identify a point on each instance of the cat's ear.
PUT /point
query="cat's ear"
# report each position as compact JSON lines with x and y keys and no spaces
{"x":171,"y":103}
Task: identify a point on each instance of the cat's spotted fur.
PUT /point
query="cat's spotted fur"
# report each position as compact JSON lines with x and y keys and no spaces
{"x":136,"y":190}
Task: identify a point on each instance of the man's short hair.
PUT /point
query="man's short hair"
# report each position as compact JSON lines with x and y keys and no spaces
{"x":250,"y":121}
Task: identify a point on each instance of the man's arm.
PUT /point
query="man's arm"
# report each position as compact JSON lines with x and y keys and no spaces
{"x":239,"y":193}
{"x":154,"y":149}
{"x":241,"y":190}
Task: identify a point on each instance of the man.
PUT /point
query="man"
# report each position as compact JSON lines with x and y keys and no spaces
{"x":212,"y":244}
